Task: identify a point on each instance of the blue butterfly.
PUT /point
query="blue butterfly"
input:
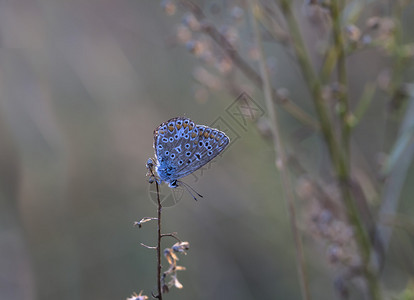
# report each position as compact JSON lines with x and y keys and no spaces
{"x":182,"y":147}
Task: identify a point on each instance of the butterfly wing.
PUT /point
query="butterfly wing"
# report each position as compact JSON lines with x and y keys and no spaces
{"x":181,"y":147}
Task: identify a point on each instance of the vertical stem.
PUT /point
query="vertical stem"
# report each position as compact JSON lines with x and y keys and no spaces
{"x":280,"y":155}
{"x":336,"y":8}
{"x":339,"y":159}
{"x":159,"y":287}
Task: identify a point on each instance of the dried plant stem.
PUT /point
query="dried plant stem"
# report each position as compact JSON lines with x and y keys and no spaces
{"x":280,"y":154}
{"x":159,"y":296}
{"x":339,"y":160}
{"x":247,"y":70}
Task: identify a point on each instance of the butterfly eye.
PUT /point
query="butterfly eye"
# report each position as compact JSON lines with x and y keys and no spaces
{"x":186,"y":136}
{"x":159,"y":147}
{"x":171,"y":139}
{"x":206,"y":143}
{"x":164,"y":140}
{"x":200,"y":144}
{"x":188,"y":153}
{"x":209,"y":153}
{"x":166,"y":153}
{"x":172,"y":155}
{"x":180,"y":162}
{"x":186,"y":121}
{"x":209,"y":147}
{"x":187,"y":146}
{"x":189,"y":161}
{"x":176,"y":136}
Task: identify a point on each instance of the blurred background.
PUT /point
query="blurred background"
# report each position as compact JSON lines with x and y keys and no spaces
{"x":83,"y":84}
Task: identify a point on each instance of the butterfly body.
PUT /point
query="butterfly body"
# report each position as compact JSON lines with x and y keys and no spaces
{"x":182,"y":147}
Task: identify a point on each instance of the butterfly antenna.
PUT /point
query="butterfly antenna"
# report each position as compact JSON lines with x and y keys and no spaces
{"x":188,"y":187}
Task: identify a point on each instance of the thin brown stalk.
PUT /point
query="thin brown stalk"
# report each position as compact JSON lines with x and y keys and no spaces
{"x":159,"y":296}
{"x":281,"y":159}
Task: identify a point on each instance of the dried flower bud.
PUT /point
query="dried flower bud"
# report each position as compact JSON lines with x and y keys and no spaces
{"x":169,"y":7}
{"x":335,"y":253}
{"x":264,"y":128}
{"x":177,"y":284}
{"x":134,"y":296}
{"x":142,"y":221}
{"x":225,"y":65}
{"x":195,"y":47}
{"x":353,"y":33}
{"x":170,"y":256}
{"x":283,"y":94}
{"x":181,"y":247}
{"x":230,"y":33}
{"x":374,"y":22}
{"x":183,"y":34}
{"x":191,"y":21}
{"x":180,"y":268}
{"x":165,"y":289}
{"x":304,"y":188}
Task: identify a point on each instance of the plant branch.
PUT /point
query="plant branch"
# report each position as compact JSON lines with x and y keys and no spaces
{"x":248,"y":71}
{"x":336,"y":8}
{"x":280,"y":154}
{"x":339,"y":160}
{"x":159,"y":296}
{"x":173,"y":235}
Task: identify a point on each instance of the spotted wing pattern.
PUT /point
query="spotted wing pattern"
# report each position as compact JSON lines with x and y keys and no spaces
{"x":182,"y":147}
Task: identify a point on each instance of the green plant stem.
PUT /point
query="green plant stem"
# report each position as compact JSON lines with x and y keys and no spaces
{"x":339,"y":160}
{"x":281,"y":160}
{"x":336,"y":9}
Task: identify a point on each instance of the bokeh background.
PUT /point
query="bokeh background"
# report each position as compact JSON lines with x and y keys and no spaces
{"x":83,"y":84}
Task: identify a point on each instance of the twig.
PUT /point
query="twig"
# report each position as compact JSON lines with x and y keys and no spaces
{"x":336,"y":8}
{"x":280,"y":155}
{"x":150,"y":166}
{"x":149,"y":247}
{"x":248,"y":71}
{"x":173,"y":235}
{"x":159,"y":296}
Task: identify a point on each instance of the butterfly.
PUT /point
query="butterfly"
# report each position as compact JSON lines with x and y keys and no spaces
{"x":181,"y":147}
